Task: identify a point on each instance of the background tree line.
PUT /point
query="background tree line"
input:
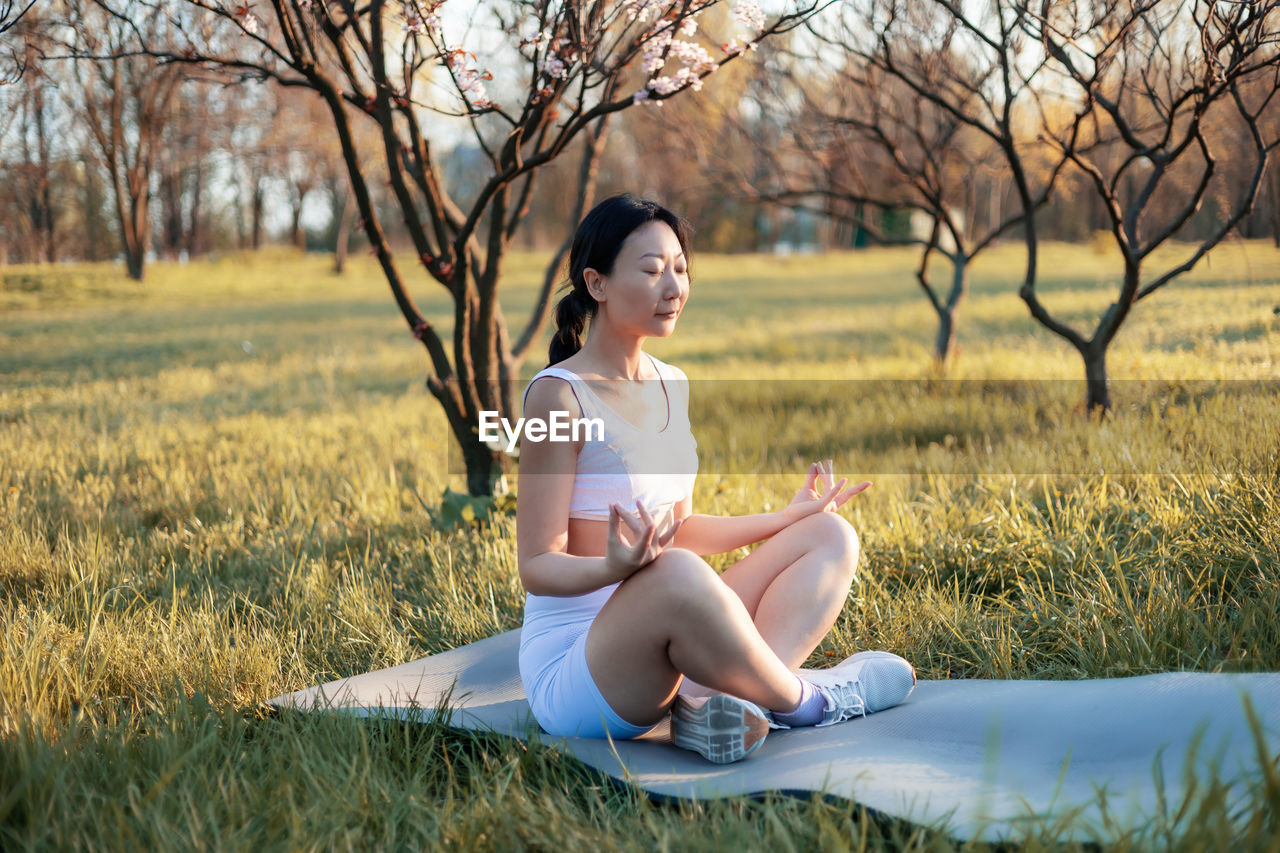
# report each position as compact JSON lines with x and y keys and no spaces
{"x":140,"y":126}
{"x":197,"y":166}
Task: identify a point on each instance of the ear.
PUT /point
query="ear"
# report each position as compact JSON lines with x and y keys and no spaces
{"x":595,"y":283}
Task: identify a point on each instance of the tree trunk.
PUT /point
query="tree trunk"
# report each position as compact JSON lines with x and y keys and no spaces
{"x":133,"y":260}
{"x":299,"y":236}
{"x":946,"y":338}
{"x":1275,"y":207}
{"x":484,"y":469}
{"x":1098,"y":394}
{"x":344,"y":234}
{"x":258,"y":194}
{"x":197,"y":190}
{"x":133,"y":228}
{"x":46,"y":183}
{"x":945,"y":342}
{"x":171,"y":204}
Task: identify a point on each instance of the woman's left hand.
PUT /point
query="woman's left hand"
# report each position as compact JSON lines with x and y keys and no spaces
{"x":808,"y":501}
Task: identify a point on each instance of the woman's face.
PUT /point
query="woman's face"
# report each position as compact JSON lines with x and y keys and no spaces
{"x":649,"y":284}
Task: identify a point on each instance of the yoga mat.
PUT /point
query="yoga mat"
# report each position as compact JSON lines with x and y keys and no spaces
{"x":975,"y":758}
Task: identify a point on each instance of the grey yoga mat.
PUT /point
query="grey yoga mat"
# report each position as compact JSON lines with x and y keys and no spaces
{"x":974,"y":758}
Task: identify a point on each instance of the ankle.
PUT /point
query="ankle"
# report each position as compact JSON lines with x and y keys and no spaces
{"x":810,"y":709}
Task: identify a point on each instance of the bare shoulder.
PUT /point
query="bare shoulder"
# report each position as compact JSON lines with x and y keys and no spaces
{"x":551,"y":394}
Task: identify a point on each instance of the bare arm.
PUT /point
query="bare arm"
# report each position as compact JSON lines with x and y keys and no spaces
{"x":542,"y":511}
{"x":715,"y":534}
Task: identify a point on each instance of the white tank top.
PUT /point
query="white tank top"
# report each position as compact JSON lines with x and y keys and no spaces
{"x":657,"y":468}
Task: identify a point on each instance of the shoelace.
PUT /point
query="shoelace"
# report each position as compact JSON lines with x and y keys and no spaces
{"x":849,"y":703}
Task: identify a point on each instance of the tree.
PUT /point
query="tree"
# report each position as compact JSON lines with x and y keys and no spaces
{"x":33,"y":186}
{"x":184,"y":169}
{"x":125,"y":104}
{"x":1153,"y":80}
{"x":564,"y":67}
{"x":11,"y":11}
{"x":916,"y":107}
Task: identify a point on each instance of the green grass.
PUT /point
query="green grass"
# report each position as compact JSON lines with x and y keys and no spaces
{"x":190,"y":525}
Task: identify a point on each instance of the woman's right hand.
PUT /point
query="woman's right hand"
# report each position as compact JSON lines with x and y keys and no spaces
{"x":648,"y":539}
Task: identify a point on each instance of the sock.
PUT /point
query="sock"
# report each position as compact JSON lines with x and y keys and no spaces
{"x":810,"y":710}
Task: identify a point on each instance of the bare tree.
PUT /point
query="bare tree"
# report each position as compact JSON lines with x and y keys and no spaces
{"x":568,"y":66}
{"x":11,"y":13}
{"x":125,"y":103}
{"x":184,"y":170}
{"x":31,"y":175}
{"x":902,"y":106}
{"x":1154,"y":79}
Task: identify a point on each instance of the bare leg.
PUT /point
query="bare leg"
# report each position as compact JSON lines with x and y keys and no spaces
{"x":676,"y":616}
{"x":795,"y":584}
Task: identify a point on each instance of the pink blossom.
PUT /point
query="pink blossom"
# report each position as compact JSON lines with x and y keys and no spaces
{"x":554,"y":67}
{"x":693,"y":56}
{"x":654,"y":49}
{"x":688,"y":77}
{"x":415,"y":24}
{"x":663,"y":85}
{"x":641,"y":10}
{"x":748,"y":13}
{"x":469,"y":79}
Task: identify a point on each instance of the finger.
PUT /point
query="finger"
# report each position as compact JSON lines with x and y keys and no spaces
{"x":812,"y":478}
{"x":849,"y":493}
{"x":831,"y":473}
{"x":665,"y":522}
{"x":650,"y":534}
{"x":666,"y":538}
{"x":615,"y":530}
{"x":627,"y":517}
{"x":834,"y":492}
{"x":645,"y":517}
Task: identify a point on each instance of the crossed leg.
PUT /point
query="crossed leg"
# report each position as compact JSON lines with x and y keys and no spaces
{"x":741,"y":633}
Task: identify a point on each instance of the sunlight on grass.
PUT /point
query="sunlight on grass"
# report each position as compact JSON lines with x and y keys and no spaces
{"x":213,"y":490}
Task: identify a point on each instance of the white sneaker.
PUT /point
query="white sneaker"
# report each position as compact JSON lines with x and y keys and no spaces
{"x":862,"y":684}
{"x":720,"y":728}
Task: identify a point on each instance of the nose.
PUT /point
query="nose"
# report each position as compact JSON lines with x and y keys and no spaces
{"x":673,"y":289}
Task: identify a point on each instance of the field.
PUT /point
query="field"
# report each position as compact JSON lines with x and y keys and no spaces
{"x":213,"y":490}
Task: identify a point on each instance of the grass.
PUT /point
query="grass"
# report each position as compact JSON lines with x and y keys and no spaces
{"x":212,"y":489}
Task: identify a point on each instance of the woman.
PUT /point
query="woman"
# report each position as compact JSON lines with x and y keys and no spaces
{"x":616,"y":619}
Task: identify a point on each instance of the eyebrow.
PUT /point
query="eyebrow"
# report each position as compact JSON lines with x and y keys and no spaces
{"x":660,"y":256}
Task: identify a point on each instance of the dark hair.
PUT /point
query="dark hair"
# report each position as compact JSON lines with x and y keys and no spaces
{"x":596,"y":243}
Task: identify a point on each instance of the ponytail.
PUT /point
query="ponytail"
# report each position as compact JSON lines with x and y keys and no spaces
{"x":572,"y":312}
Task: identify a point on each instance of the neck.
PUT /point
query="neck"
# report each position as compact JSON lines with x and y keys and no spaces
{"x":618,"y":356}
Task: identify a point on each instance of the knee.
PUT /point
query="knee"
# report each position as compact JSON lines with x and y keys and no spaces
{"x":679,"y":566}
{"x":677,"y":572}
{"x":832,"y":532}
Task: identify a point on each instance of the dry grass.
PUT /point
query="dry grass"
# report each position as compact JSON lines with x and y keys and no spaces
{"x":190,"y":525}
